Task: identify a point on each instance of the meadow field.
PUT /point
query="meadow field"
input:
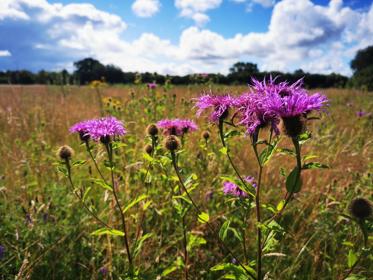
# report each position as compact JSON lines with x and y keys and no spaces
{"x":54,"y":228}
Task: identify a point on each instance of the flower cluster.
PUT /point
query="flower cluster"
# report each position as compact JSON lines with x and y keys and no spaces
{"x":230,"y":188}
{"x":266,"y":104}
{"x":177,"y":127}
{"x":102,"y":129}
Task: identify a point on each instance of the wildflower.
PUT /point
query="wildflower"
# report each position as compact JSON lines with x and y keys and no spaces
{"x":361,"y":114}
{"x":82,"y":129}
{"x":152,"y":130}
{"x":230,"y":188}
{"x":220,"y":105}
{"x":254,"y":115}
{"x":2,"y":251}
{"x":251,"y":181}
{"x":172,"y":143}
{"x":100,"y":129}
{"x":65,"y":152}
{"x":360,"y":208}
{"x":177,"y":127}
{"x":292,"y":103}
{"x":103,"y":271}
{"x":151,"y":85}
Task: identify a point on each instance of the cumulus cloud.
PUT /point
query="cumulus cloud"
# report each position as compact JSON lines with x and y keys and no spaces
{"x":5,"y":53}
{"x":300,"y":34}
{"x":146,"y":8}
{"x":196,"y":9}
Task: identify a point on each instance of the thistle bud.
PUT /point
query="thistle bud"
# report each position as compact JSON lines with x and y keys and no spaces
{"x":360,"y":208}
{"x":206,"y":135}
{"x":65,"y":152}
{"x":148,"y":149}
{"x":152,"y":130}
{"x":172,"y":143}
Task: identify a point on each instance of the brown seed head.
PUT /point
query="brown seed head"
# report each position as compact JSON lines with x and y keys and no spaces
{"x":152,"y":130}
{"x":206,"y":135}
{"x":360,"y":208}
{"x":172,"y":143}
{"x":65,"y":152}
{"x":148,"y":149}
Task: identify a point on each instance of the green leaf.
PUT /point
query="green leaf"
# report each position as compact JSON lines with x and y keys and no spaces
{"x":235,"y":271}
{"x":286,"y":152}
{"x":294,"y":181}
{"x":134,"y":202}
{"x":79,"y":162}
{"x":224,"y":230}
{"x":304,"y":137}
{"x":195,"y":241}
{"x":108,"y":231}
{"x":351,"y":259}
{"x":140,"y":243}
{"x":203,"y":218}
{"x":101,"y":183}
{"x":267,"y":153}
{"x":86,"y":193}
{"x":315,"y":165}
{"x":280,"y":205}
{"x":224,"y":150}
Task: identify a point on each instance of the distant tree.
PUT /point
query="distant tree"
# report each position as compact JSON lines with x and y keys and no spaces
{"x":89,"y":69}
{"x":362,"y":65}
{"x":363,"y":59}
{"x":114,"y":74}
{"x":241,"y":72}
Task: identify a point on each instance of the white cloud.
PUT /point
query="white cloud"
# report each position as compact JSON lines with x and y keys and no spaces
{"x":196,"y":9}
{"x":300,"y":34}
{"x":5,"y":53}
{"x":146,"y":8}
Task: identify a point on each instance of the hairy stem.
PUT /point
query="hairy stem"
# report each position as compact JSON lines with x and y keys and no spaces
{"x":109,"y":150}
{"x":68,"y":167}
{"x":221,"y":242}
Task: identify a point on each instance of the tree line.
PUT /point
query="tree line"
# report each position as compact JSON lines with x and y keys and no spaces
{"x":89,"y":69}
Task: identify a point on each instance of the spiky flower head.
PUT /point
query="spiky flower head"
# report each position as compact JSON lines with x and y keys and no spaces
{"x":65,"y":152}
{"x":253,"y":113}
{"x":82,"y":129}
{"x":230,"y":188}
{"x":152,"y":130}
{"x":152,"y":85}
{"x":103,"y":129}
{"x":360,"y":208}
{"x":177,"y":127}
{"x":220,"y":105}
{"x":172,"y":143}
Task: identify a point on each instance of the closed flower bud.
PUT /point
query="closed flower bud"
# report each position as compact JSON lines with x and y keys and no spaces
{"x":65,"y":152}
{"x":148,"y":149}
{"x":360,"y":208}
{"x":206,"y":135}
{"x":152,"y":130}
{"x":172,"y":143}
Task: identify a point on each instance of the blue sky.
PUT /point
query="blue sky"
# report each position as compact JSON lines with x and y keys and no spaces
{"x":185,"y":36}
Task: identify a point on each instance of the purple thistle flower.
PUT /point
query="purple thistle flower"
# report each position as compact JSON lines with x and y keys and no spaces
{"x":254,"y":115}
{"x":2,"y":251}
{"x":99,"y":129}
{"x":297,"y":104}
{"x":177,"y":127}
{"x":103,"y":271}
{"x":151,"y":85}
{"x":361,"y":114}
{"x":230,"y":188}
{"x":251,"y":180}
{"x":82,"y":129}
{"x":220,"y":105}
